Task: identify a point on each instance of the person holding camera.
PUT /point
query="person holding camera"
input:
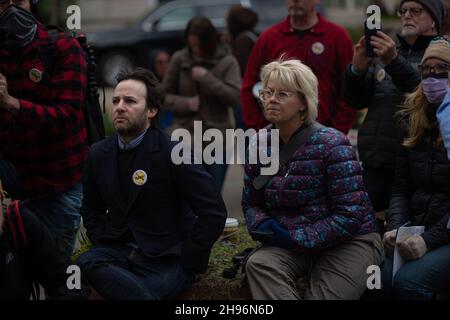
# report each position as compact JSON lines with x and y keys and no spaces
{"x":313,"y":216}
{"x":380,"y":85}
{"x":42,"y":130}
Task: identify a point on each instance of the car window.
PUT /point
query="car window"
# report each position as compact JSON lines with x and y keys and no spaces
{"x":216,"y":13}
{"x":176,"y":19}
{"x":267,"y":12}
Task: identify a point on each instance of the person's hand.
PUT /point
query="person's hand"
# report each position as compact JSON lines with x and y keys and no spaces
{"x":361,"y":62}
{"x":281,"y":237}
{"x":198,"y":72}
{"x":389,"y":241}
{"x":6,"y":101}
{"x":194,"y":104}
{"x":384,"y":47}
{"x":412,"y":248}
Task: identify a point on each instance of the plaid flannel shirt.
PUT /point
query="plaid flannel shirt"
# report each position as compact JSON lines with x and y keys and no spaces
{"x":46,"y":141}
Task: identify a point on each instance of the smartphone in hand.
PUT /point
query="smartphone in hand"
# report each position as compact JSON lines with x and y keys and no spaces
{"x":370,"y":30}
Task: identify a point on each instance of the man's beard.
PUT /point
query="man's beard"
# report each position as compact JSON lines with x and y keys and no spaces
{"x":408,"y":31}
{"x":132,"y":130}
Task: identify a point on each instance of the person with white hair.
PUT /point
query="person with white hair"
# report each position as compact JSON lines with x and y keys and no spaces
{"x":313,"y":216}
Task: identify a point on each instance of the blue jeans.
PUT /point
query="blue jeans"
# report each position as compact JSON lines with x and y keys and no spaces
{"x":60,"y":212}
{"x":122,"y":272}
{"x":420,"y":279}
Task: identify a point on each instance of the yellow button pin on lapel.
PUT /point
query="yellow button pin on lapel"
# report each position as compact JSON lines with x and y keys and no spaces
{"x":35,"y":75}
{"x":139,"y":177}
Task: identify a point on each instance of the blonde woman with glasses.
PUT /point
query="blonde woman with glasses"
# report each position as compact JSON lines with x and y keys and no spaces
{"x":313,"y":217}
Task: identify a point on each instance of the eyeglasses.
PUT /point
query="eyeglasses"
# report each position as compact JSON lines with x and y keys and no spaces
{"x":266,"y":94}
{"x":414,"y":12}
{"x":438,"y":69}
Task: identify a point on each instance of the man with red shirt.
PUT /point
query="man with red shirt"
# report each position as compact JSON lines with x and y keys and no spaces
{"x":324,"y":46}
{"x":42,"y":132}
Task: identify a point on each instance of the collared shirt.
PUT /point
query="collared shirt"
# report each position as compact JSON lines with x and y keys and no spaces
{"x":326,"y":48}
{"x":133,"y":143}
{"x":46,"y":141}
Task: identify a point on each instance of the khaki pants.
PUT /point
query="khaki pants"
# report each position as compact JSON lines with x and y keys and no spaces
{"x":336,"y":273}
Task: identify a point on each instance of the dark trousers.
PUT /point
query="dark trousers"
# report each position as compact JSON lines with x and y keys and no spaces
{"x":125,"y":273}
{"x":421,"y":279}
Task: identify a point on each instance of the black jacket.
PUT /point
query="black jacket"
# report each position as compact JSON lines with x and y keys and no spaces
{"x":421,"y":190}
{"x":379,"y":134}
{"x":177,"y":211}
{"x":36,"y":261}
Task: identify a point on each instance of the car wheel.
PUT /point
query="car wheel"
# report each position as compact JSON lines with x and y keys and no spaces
{"x":111,"y":64}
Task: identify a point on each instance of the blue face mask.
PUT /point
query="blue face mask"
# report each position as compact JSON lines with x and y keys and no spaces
{"x":17,"y":28}
{"x":435,"y":89}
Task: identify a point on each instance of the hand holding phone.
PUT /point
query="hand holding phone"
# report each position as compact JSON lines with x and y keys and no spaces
{"x":369,"y":31}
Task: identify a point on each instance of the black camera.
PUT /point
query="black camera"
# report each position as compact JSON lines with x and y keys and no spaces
{"x":238,"y":262}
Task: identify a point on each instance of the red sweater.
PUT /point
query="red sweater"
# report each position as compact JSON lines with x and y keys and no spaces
{"x":327,"y":49}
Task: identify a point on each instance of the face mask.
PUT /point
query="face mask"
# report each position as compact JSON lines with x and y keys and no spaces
{"x":17,"y":28}
{"x":435,"y":89}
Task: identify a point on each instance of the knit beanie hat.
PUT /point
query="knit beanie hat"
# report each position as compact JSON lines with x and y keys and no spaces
{"x":439,"y":49}
{"x":434,"y":7}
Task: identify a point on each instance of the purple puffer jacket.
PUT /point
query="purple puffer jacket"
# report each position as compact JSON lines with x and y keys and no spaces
{"x":319,"y":195}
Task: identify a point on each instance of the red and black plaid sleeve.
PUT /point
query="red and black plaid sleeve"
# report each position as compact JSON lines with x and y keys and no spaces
{"x":46,"y":141}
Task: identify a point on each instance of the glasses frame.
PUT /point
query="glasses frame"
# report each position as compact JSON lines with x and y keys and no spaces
{"x":277,"y":94}
{"x":413,"y":12}
{"x":432,"y":70}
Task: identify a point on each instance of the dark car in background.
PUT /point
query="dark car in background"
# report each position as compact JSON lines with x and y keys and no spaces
{"x":163,"y":28}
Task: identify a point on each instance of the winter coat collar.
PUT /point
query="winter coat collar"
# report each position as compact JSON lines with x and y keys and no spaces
{"x":421,"y":43}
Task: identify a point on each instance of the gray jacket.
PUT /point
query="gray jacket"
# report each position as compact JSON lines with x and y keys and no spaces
{"x":218,"y":90}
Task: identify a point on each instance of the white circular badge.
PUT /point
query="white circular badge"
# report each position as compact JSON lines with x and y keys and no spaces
{"x":139,"y":177}
{"x":318,"y":48}
{"x":381,"y":74}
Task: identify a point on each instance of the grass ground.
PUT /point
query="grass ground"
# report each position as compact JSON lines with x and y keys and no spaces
{"x":212,"y":285}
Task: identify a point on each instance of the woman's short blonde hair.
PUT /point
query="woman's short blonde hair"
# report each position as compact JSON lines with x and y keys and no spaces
{"x":292,"y":75}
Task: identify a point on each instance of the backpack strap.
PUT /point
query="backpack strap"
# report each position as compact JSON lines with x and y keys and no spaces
{"x":251,"y":35}
{"x":296,"y":141}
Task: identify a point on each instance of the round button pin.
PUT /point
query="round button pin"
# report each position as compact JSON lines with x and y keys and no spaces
{"x":318,"y":48}
{"x":381,"y":74}
{"x":35,"y":75}
{"x":139,"y":177}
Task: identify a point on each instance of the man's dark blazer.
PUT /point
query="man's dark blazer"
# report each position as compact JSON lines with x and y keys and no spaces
{"x":177,"y":211}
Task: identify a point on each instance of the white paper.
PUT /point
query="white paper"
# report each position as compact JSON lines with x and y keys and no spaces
{"x":402,"y":234}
